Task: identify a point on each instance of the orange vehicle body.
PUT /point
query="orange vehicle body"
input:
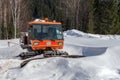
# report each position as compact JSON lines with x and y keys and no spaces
{"x":46,"y":43}
{"x":43,"y":44}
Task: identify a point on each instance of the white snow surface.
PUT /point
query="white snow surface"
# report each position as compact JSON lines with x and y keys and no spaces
{"x":102,"y":61}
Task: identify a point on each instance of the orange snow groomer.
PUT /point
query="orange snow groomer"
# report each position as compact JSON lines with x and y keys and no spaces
{"x":45,"y":35}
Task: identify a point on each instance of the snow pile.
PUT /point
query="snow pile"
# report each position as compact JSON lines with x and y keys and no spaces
{"x":9,"y":43}
{"x":10,"y":48}
{"x":77,"y":33}
{"x":102,"y":61}
{"x":7,"y":64}
{"x":102,"y":67}
{"x":108,"y":74}
{"x":53,"y":69}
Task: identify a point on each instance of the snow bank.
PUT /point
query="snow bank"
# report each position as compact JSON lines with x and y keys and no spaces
{"x":101,"y":61}
{"x":53,"y":69}
{"x":8,"y":69}
{"x":77,"y":33}
{"x":10,"y":52}
{"x":102,"y":67}
{"x":9,"y":43}
{"x":7,"y":64}
{"x":10,"y":48}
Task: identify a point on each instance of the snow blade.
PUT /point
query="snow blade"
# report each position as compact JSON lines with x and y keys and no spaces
{"x":65,"y":56}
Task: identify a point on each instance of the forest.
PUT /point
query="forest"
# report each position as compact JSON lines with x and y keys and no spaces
{"x":90,"y":16}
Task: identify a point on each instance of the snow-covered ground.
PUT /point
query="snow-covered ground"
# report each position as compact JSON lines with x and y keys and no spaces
{"x":102,"y":61}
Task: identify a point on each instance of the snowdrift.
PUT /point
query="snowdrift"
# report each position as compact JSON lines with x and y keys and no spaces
{"x":102,"y":67}
{"x":101,"y":61}
{"x":77,"y":33}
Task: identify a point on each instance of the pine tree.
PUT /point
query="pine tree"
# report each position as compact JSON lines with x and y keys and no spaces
{"x":106,"y":16}
{"x":115,"y":27}
{"x":91,"y":17}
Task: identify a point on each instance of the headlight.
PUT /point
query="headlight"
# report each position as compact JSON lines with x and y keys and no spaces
{"x":60,"y":43}
{"x":36,"y":43}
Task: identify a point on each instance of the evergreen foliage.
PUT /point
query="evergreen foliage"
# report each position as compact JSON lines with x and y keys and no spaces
{"x":93,"y":16}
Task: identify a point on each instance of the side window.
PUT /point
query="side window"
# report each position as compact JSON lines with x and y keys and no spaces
{"x":37,"y":28}
{"x":37,"y":31}
{"x":30,"y":30}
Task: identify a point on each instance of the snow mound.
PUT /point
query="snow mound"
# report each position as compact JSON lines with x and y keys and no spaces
{"x":9,"y":43}
{"x":77,"y":33}
{"x":112,"y":56}
{"x":56,"y":68}
{"x":7,"y":64}
{"x":102,"y":67}
{"x":102,"y":61}
{"x":10,"y":48}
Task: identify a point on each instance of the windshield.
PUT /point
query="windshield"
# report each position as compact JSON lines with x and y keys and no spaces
{"x":47,"y":32}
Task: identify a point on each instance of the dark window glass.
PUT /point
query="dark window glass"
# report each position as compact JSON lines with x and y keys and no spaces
{"x":47,"y":32}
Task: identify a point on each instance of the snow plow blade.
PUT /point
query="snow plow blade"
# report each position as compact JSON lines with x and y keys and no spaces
{"x":65,"y":56}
